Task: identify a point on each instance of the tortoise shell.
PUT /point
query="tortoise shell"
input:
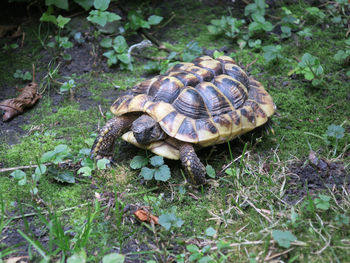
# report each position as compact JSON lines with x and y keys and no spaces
{"x":206,"y":102}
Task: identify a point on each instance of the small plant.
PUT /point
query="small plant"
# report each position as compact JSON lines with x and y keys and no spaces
{"x":191,"y":51}
{"x":161,"y":66}
{"x":306,"y":32}
{"x":137,"y":21}
{"x":57,"y":156}
{"x":272,"y":53}
{"x":322,"y":202}
{"x":227,"y":25}
{"x":100,"y":16}
{"x":315,"y":13}
{"x":169,"y":220}
{"x":259,"y":24}
{"x":206,"y":254}
{"x":119,"y":52}
{"x":60,"y":43}
{"x":159,"y":172}
{"x":333,"y":135}
{"x":311,"y":68}
{"x":199,"y":255}
{"x":210,"y":171}
{"x":59,"y":242}
{"x":258,"y":7}
{"x":283,"y":238}
{"x":25,"y":75}
{"x":342,"y":220}
{"x":22,"y":179}
{"x":68,"y":86}
{"x":343,"y":56}
{"x":11,"y":46}
{"x":88,"y":165}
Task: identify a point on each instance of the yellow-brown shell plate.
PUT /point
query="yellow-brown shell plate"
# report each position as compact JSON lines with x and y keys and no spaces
{"x":205,"y":102}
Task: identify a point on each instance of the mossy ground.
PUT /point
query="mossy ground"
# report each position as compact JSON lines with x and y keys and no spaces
{"x":243,"y":208}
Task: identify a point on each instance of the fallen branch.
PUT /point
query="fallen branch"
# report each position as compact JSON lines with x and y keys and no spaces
{"x":278,"y":254}
{"x":47,"y":212}
{"x":3,"y":170}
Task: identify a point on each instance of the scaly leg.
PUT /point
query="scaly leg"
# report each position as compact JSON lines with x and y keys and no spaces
{"x":104,"y":144}
{"x":194,"y":169}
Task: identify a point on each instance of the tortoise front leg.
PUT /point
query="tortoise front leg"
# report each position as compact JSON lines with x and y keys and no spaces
{"x":104,"y":144}
{"x":194,"y":169}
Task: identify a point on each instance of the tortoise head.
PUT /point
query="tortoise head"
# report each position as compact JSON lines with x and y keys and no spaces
{"x":147,"y":130}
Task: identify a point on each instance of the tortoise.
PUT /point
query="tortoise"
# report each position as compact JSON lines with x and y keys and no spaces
{"x":193,"y":105}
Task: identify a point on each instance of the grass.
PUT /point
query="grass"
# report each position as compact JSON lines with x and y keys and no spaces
{"x":233,"y":218}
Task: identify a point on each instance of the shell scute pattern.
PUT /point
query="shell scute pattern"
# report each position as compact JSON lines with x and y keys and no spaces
{"x":207,"y":101}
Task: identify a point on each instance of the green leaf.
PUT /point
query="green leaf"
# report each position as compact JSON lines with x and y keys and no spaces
{"x":138,"y":162}
{"x":85,"y":171}
{"x":258,"y":18}
{"x":206,"y":259}
{"x":124,"y":58}
{"x":210,"y":171}
{"x":102,"y":163}
{"x":283,"y":238}
{"x":192,"y":248}
{"x":48,"y":156}
{"x":86,"y":4}
{"x":97,"y":17}
{"x":101,"y":4}
{"x":36,"y":177}
{"x":66,"y":56}
{"x":210,"y":231}
{"x":62,"y":21}
{"x":62,"y":148}
{"x":111,"y":17}
{"x":157,"y":161}
{"x":162,"y":173}
{"x":154,"y":20}
{"x":147,"y":173}
{"x":306,"y":32}
{"x":168,"y":220}
{"x":77,"y":257}
{"x":217,"y":54}
{"x":267,"y":26}
{"x":335,"y":131}
{"x":66,"y":177}
{"x":254,"y":26}
{"x":195,"y":256}
{"x":41,"y":169}
{"x":322,"y":202}
{"x":22,"y":181}
{"x":63,"y":4}
{"x":34,"y":191}
{"x":113,"y":258}
{"x":27,"y":76}
{"x":213,"y":30}
{"x":340,"y":55}
{"x":18,"y":174}
{"x":309,"y":75}
{"x":46,"y":17}
{"x":342,"y":220}
{"x":119,"y":44}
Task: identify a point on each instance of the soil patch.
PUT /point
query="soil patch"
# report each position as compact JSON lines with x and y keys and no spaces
{"x":310,"y":177}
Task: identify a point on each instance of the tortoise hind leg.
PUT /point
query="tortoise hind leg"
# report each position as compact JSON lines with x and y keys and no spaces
{"x":104,"y":144}
{"x":194,"y":169}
